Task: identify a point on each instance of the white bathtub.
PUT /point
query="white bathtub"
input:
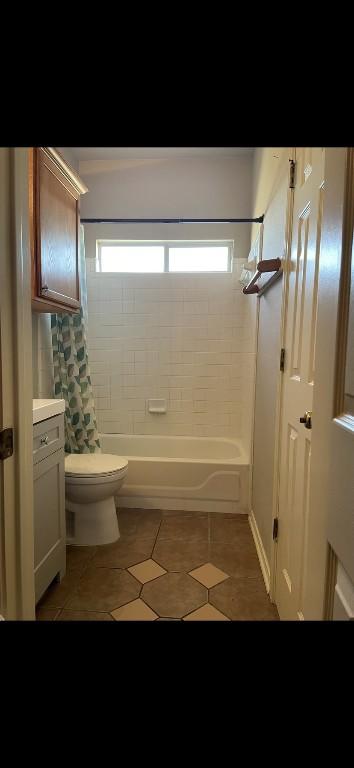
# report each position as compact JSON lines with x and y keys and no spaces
{"x":189,"y":473}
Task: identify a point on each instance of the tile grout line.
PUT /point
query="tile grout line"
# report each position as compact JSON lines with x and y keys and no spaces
{"x":84,"y":569}
{"x":157,"y":535}
{"x":71,"y":594}
{"x":151,"y":557}
{"x":89,"y":563}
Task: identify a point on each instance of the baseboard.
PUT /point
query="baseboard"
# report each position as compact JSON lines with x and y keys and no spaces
{"x":262,"y":557}
{"x":187,"y":505}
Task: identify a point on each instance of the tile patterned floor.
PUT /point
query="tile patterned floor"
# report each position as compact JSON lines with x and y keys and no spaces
{"x":167,"y":565}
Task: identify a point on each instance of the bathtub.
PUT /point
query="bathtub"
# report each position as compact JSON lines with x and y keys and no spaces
{"x":183,"y":473}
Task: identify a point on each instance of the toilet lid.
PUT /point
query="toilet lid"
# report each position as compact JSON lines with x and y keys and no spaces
{"x":93,"y":464}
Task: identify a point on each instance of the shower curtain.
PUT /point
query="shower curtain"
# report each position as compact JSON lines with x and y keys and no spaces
{"x":72,"y":380}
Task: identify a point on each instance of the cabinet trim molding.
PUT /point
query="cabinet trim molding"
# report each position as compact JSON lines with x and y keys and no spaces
{"x":66,"y":169}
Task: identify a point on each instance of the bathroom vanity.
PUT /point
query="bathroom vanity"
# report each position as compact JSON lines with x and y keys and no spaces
{"x":49,"y":493}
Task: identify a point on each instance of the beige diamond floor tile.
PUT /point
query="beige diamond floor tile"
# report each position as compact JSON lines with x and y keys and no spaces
{"x":206,"y":613}
{"x":146,"y":571}
{"x":137,"y":610}
{"x":209,"y":575}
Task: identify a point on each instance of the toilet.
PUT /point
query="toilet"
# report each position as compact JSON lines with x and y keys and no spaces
{"x":92,"y":480}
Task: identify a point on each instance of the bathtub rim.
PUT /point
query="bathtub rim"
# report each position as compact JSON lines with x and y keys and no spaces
{"x":241,"y":459}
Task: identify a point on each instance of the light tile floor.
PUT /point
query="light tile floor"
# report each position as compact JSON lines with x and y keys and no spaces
{"x":189,"y":566}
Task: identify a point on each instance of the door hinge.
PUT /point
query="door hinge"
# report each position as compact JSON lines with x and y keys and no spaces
{"x":6,"y":443}
{"x":292,"y":174}
{"x":275,"y":528}
{"x":282,"y":359}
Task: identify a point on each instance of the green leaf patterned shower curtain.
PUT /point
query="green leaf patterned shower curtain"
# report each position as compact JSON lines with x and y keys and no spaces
{"x":72,"y":380}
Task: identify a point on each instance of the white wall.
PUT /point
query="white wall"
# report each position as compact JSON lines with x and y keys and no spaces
{"x":268,"y":169}
{"x":185,"y":338}
{"x":195,"y":187}
{"x":269,"y":197}
{"x":69,"y":156}
{"x":42,"y":361}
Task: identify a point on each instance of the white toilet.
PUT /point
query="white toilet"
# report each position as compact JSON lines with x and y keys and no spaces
{"x":91,"y":482}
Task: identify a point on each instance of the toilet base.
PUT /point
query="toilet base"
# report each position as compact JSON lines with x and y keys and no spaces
{"x":91,"y":524}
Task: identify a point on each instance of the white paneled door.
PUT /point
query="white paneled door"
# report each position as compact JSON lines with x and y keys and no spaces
{"x":299,"y":376}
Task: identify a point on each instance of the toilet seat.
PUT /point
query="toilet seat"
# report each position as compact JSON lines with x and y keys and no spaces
{"x":94,"y":465}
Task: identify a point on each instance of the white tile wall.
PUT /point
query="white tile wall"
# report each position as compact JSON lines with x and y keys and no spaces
{"x":42,"y":356}
{"x":187,"y":338}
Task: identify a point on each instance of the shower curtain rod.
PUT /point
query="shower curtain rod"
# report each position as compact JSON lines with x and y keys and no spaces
{"x":259,"y":220}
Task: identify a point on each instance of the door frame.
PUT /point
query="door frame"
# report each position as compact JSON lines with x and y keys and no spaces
{"x":16,"y":391}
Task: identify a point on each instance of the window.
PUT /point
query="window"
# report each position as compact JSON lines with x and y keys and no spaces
{"x":173,"y":256}
{"x":131,"y":258}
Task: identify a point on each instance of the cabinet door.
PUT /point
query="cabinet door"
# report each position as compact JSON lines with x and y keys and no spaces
{"x":56,"y":233}
{"x":49,"y":520}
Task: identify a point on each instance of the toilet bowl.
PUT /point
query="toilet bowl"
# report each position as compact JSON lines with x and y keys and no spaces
{"x":91,"y":482}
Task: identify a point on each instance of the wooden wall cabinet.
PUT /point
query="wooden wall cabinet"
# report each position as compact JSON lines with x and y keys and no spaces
{"x":54,"y":198}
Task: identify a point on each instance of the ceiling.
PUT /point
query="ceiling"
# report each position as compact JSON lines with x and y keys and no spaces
{"x":117,"y":153}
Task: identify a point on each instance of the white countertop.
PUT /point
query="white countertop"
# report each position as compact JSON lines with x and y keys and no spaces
{"x":44,"y":409}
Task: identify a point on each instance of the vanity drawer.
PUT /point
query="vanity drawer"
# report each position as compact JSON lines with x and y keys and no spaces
{"x":48,"y":436}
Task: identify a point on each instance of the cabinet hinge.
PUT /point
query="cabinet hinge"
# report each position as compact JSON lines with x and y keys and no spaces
{"x":282,"y":359}
{"x":292,"y":174}
{"x":6,"y":443}
{"x":275,"y":528}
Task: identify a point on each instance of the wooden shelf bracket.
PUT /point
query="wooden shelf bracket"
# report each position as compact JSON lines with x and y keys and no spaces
{"x":266,"y":265}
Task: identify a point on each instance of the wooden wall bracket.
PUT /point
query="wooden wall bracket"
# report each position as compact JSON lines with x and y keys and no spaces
{"x":266,"y":265}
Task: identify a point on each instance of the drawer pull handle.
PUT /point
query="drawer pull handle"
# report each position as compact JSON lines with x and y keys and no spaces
{"x":45,"y":440}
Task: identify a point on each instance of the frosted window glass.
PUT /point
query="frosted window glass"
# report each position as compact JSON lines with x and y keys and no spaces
{"x":131,"y":258}
{"x":212,"y":259}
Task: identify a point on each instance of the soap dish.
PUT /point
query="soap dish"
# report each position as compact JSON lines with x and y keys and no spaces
{"x":157,"y":406}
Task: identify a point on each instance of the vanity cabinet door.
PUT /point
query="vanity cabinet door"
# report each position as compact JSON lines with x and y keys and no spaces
{"x":49,"y":521}
{"x":55,"y":230}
